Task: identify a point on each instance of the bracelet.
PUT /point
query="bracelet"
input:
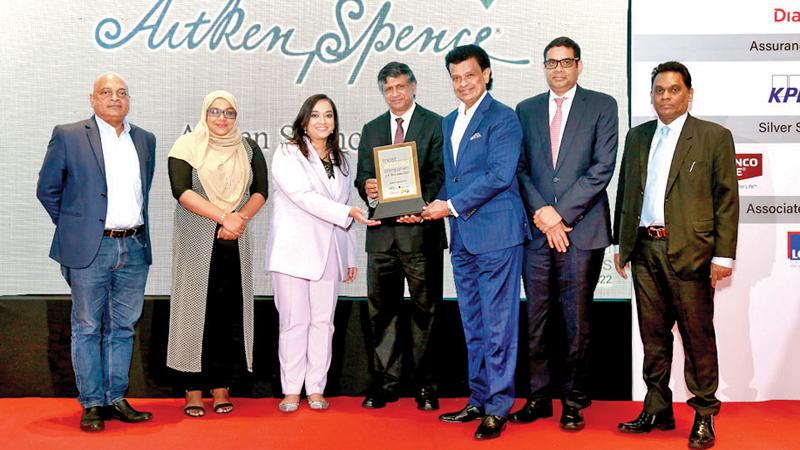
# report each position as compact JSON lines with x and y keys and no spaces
{"x":222,"y":217}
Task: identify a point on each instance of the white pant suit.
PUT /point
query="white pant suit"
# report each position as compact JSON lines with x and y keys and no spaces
{"x":311,"y":245}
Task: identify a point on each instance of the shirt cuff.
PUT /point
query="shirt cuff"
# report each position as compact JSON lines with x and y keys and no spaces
{"x":616,"y":249}
{"x":724,"y":262}
{"x":372,"y":202}
{"x":452,"y":209}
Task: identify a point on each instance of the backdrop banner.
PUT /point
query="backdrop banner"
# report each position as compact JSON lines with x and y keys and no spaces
{"x":271,"y":55}
{"x":743,"y":62}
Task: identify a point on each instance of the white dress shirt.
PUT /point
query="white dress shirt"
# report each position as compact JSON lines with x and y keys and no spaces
{"x":459,"y":128}
{"x":568,"y":96}
{"x":123,"y":179}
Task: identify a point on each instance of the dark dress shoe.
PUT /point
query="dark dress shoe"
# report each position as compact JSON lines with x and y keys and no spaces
{"x":571,"y":419}
{"x":427,"y":400}
{"x":92,"y":419}
{"x":378,"y":399}
{"x":663,"y":420}
{"x":123,"y":411}
{"x":532,"y":410}
{"x":490,"y":427}
{"x":468,"y":414}
{"x":702,"y":435}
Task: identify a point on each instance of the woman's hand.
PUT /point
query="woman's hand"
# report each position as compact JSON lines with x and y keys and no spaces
{"x":235,"y":223}
{"x":360,"y":216}
{"x":351,"y":274}
{"x":226,"y":235}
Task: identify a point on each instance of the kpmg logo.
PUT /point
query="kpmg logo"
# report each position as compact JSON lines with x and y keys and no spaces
{"x":230,"y":29}
{"x":794,"y":245}
{"x":785,"y":88}
{"x":749,"y":165}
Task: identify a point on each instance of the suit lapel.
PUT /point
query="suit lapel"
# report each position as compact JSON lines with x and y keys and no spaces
{"x":472,"y":126}
{"x":542,"y":127}
{"x":93,"y":134}
{"x":415,"y":126}
{"x":576,"y":113}
{"x":644,"y":154}
{"x":385,"y":131}
{"x":681,"y":150}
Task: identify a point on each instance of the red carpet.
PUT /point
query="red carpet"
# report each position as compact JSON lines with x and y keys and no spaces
{"x":45,"y":423}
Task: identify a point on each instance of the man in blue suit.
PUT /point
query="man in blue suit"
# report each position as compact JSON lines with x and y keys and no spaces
{"x":482,"y":144}
{"x":94,"y":184}
{"x":570,"y":136}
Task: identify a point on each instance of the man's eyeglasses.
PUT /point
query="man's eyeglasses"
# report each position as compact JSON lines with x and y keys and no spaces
{"x":566,"y":63}
{"x":108,"y":93}
{"x":216,"y":112}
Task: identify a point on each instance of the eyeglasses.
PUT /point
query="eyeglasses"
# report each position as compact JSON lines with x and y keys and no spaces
{"x":216,"y":112}
{"x":108,"y":93}
{"x":566,"y":63}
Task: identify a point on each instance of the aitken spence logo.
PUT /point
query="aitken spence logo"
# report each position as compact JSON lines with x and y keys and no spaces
{"x":749,"y":165}
{"x":794,"y":245}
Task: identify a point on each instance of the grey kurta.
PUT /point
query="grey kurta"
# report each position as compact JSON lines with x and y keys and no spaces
{"x":192,"y":240}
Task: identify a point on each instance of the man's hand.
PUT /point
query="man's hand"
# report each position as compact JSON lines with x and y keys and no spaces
{"x":411,"y":218}
{"x":436,"y":210}
{"x":621,"y":269}
{"x":546,"y":218}
{"x":557,"y":237}
{"x":719,"y":273}
{"x":371,"y":187}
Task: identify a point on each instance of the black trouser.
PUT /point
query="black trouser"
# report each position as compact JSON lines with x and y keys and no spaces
{"x":662,"y":299}
{"x":392,"y":340}
{"x":560,"y":285}
{"x":223,"y":335}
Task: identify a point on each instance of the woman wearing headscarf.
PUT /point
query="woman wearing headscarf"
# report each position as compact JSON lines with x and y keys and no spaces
{"x":220,"y":181}
{"x":311,"y":247}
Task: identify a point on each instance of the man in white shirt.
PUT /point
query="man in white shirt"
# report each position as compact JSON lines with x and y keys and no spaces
{"x":675,"y":222}
{"x":94,"y":184}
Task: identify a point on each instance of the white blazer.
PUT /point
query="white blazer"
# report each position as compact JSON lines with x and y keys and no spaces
{"x":308,"y":211}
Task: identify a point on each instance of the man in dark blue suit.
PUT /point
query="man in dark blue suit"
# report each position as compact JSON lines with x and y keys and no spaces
{"x":94,"y":184}
{"x":482,"y":144}
{"x":570,"y":136}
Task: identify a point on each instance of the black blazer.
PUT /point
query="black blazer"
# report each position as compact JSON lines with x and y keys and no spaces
{"x":426,"y":129}
{"x":701,"y":207}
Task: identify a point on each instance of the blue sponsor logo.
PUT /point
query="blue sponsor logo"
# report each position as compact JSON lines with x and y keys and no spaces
{"x":785,"y":88}
{"x":794,"y":245}
{"x":230,"y":29}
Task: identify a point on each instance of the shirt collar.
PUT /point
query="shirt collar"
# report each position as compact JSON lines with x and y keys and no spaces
{"x":675,"y":127}
{"x":106,"y":127}
{"x":406,"y":115}
{"x":462,"y":106}
{"x":570,"y":94}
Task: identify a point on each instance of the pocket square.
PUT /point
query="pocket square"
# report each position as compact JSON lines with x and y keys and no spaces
{"x":475,"y":136}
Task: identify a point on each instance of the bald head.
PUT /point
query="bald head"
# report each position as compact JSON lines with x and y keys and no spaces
{"x":110,"y":100}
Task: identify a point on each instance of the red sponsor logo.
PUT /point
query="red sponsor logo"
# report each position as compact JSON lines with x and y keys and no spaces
{"x":782,"y":15}
{"x":749,"y":165}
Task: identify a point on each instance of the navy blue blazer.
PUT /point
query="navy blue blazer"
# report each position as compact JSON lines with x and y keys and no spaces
{"x":586,"y":160}
{"x":72,"y":188}
{"x":482,"y":184}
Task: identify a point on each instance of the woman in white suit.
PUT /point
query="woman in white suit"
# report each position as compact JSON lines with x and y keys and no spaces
{"x":311,"y":247}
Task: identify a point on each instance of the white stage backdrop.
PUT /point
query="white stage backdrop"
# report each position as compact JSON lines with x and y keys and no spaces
{"x":272,"y":55}
{"x":745,"y":74}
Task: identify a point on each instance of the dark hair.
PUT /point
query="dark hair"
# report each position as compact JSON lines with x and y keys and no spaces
{"x":299,"y":131}
{"x":465,"y":52}
{"x":563,"y":41}
{"x":395,"y":69}
{"x":672,"y":66}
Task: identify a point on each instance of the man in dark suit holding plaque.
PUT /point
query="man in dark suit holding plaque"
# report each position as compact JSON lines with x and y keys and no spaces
{"x":676,"y":221}
{"x":406,"y":248}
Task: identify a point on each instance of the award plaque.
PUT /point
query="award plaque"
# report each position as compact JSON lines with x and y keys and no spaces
{"x":397,"y":172}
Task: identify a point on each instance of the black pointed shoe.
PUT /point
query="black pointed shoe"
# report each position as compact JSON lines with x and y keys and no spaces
{"x":571,"y":419}
{"x":92,"y":419}
{"x":663,"y":420}
{"x":467,"y":414}
{"x":702,"y":435}
{"x":124,"y":412}
{"x":378,"y":398}
{"x":490,"y":427}
{"x":532,"y":410}
{"x":426,"y":399}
